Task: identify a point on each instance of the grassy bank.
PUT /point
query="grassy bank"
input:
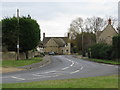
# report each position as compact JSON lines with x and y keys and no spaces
{"x":105,"y":61}
{"x":91,"y":82}
{"x":114,"y":62}
{"x":17,"y":63}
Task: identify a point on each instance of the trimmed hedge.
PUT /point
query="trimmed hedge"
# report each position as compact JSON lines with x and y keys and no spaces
{"x":101,"y":51}
{"x":105,"y":51}
{"x":116,"y":47}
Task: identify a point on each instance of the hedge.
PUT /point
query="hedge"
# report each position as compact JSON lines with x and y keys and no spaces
{"x":101,"y":51}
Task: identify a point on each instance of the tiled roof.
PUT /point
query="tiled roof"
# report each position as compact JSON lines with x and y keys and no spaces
{"x":61,"y":41}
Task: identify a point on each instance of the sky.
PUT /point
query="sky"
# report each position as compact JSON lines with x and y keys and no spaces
{"x":55,"y":16}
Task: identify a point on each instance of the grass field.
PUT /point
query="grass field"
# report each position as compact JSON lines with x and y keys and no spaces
{"x":17,"y":63}
{"x":91,"y":82}
{"x":105,"y":61}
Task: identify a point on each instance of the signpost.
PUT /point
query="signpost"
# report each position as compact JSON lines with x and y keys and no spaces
{"x":18,"y":34}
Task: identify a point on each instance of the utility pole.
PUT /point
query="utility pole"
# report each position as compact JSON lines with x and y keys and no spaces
{"x":18,"y":34}
{"x":82,"y":42}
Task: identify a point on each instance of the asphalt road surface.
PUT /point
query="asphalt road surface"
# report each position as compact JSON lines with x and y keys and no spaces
{"x":61,"y":67}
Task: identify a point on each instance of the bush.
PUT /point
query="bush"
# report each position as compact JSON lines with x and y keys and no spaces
{"x":101,"y":51}
{"x":116,"y":47}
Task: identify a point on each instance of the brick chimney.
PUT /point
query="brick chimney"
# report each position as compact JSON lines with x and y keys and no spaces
{"x":68,"y":35}
{"x":109,"y":21}
{"x":43,"y":35}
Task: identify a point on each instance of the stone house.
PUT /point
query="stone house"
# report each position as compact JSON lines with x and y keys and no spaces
{"x":107,"y":34}
{"x":59,"y":45}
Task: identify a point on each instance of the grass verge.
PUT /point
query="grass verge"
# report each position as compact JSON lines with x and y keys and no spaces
{"x":91,"y":82}
{"x":17,"y":63}
{"x":105,"y":61}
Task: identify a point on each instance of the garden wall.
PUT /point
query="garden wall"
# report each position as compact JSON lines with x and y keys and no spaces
{"x":13,"y":55}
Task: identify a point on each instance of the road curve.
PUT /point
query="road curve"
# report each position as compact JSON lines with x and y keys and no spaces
{"x":61,"y":67}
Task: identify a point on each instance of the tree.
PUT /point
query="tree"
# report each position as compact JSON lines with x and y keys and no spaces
{"x":80,"y":39}
{"x":76,"y":27}
{"x":88,"y":40}
{"x":94,"y":24}
{"x":29,"y":33}
{"x":9,"y":33}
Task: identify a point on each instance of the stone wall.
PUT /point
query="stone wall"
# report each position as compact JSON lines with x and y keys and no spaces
{"x":9,"y":55}
{"x":13,"y":55}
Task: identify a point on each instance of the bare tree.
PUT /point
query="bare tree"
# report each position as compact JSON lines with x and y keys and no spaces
{"x":95,"y":24}
{"x":76,"y":27}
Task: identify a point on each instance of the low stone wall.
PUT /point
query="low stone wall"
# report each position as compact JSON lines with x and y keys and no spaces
{"x":31,"y":54}
{"x":13,"y":55}
{"x":9,"y":55}
{"x":22,"y":56}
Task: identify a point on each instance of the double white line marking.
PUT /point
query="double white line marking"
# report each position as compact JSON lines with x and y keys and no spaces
{"x":70,"y":65}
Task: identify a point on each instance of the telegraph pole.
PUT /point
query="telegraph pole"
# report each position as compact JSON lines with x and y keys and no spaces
{"x":18,"y":34}
{"x":82,"y":42}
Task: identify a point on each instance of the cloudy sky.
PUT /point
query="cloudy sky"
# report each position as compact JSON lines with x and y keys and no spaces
{"x":55,"y":16}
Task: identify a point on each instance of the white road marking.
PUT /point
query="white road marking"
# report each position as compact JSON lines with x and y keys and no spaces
{"x":46,"y":72}
{"x":43,"y":77}
{"x":81,"y":68}
{"x":17,"y":78}
{"x":55,"y":75}
{"x":50,"y":72}
{"x":37,"y":75}
{"x":72,"y":64}
{"x":71,"y":61}
{"x":65,"y":68}
{"x":40,"y":77}
{"x":74,"y":71}
{"x":76,"y":62}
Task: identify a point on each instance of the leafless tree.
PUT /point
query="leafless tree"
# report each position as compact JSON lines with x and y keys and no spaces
{"x":76,"y":27}
{"x":95,"y":24}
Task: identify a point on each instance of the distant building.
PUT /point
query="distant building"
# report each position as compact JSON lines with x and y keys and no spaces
{"x":40,"y":48}
{"x":58,"y":45}
{"x":107,"y":34}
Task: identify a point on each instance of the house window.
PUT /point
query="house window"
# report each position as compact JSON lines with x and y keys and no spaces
{"x":66,"y":50}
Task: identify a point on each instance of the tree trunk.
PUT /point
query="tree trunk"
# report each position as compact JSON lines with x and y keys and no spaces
{"x":26,"y":53}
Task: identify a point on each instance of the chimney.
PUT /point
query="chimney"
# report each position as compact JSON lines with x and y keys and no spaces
{"x":43,"y":35}
{"x":118,"y":30}
{"x":109,"y":21}
{"x":68,"y":35}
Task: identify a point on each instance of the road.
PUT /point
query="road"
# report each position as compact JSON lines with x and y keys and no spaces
{"x":61,"y":67}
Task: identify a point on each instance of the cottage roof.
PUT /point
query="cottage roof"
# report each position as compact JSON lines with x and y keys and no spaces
{"x":61,"y":41}
{"x":107,"y":29}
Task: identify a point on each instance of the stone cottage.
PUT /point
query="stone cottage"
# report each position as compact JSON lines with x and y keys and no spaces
{"x":59,"y":45}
